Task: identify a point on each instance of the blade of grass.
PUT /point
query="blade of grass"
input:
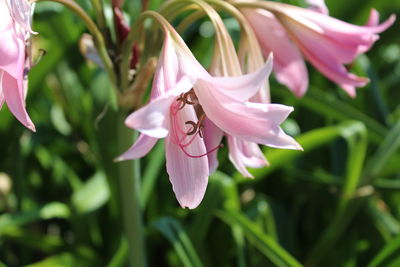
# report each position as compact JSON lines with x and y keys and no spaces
{"x":328,"y":106}
{"x":120,"y":257}
{"x":175,"y":233}
{"x":263,"y":242}
{"x":388,"y":147}
{"x":309,"y":141}
{"x":386,"y":224}
{"x":356,"y":138}
{"x":155,"y":163}
{"x":389,"y":253}
{"x":48,"y":211}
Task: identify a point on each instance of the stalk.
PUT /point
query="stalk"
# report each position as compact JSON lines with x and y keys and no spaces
{"x":98,"y":37}
{"x":129,"y":183}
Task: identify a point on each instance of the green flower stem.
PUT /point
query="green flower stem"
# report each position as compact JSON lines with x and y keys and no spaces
{"x":101,"y":19}
{"x":129,"y":183}
{"x":126,"y":50}
{"x":98,"y":38}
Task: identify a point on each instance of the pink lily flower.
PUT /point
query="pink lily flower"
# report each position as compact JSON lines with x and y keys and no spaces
{"x":15,"y":29}
{"x":191,"y":110}
{"x":327,"y":43}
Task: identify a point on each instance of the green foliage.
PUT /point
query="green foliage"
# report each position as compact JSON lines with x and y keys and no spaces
{"x":337,"y":203}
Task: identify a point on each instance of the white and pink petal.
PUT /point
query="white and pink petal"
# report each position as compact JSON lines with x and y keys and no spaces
{"x":152,"y":118}
{"x":14,"y":96}
{"x":139,"y":149}
{"x":289,"y":66}
{"x":187,"y":165}
{"x":245,"y":154}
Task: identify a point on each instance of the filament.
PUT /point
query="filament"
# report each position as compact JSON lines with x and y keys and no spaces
{"x":202,"y":155}
{"x":179,"y":135}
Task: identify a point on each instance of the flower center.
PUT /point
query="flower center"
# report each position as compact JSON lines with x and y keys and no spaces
{"x":184,"y":138}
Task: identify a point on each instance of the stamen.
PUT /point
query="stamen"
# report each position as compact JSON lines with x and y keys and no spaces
{"x":192,"y":95}
{"x":179,"y":134}
{"x":194,"y":129}
{"x":181,"y":100}
{"x":201,"y":130}
{"x":176,"y":139}
{"x":184,"y":99}
{"x":202,"y":155}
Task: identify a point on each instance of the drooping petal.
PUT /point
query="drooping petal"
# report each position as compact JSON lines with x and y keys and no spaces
{"x":212,"y":136}
{"x":245,"y":154}
{"x":348,"y":39}
{"x":325,"y":58}
{"x":15,"y":97}
{"x":253,"y":157}
{"x":21,"y":11}
{"x":1,"y":100}
{"x":1,"y":90}
{"x":188,"y":174}
{"x":139,"y":149}
{"x":242,"y":88}
{"x":12,"y":53}
{"x":5,"y":17}
{"x":167,"y":71}
{"x":373,"y":19}
{"x":236,"y":157}
{"x":289,"y":66}
{"x":330,"y":25}
{"x":152,"y":118}
{"x":252,"y":122}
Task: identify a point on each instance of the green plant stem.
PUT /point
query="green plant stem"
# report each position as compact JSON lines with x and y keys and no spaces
{"x":129,"y":183}
{"x":126,"y":49}
{"x":98,"y":37}
{"x":101,"y":19}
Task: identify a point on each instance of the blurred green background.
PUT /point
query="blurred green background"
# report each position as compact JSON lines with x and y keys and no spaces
{"x":335,"y":204}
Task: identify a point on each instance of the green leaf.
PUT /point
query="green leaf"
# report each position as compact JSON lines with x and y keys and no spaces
{"x":156,"y":160}
{"x":59,"y":121}
{"x":52,"y":210}
{"x":385,"y":222}
{"x":327,"y":105}
{"x":45,"y":243}
{"x":388,"y":254}
{"x":356,"y":138}
{"x":175,"y":233}
{"x":388,"y":147}
{"x":61,"y":260}
{"x":222,"y":192}
{"x":263,"y":242}
{"x":92,"y":195}
{"x":309,"y":141}
{"x":120,"y":257}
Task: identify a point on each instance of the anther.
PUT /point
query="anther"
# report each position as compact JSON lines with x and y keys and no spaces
{"x":186,"y":97}
{"x":194,"y":129}
{"x":201,"y":130}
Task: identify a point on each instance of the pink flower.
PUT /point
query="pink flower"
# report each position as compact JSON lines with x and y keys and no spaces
{"x":14,"y":30}
{"x":191,"y":110}
{"x":327,"y":43}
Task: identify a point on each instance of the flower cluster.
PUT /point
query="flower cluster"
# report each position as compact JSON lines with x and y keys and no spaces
{"x":327,"y":43}
{"x":193,"y":108}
